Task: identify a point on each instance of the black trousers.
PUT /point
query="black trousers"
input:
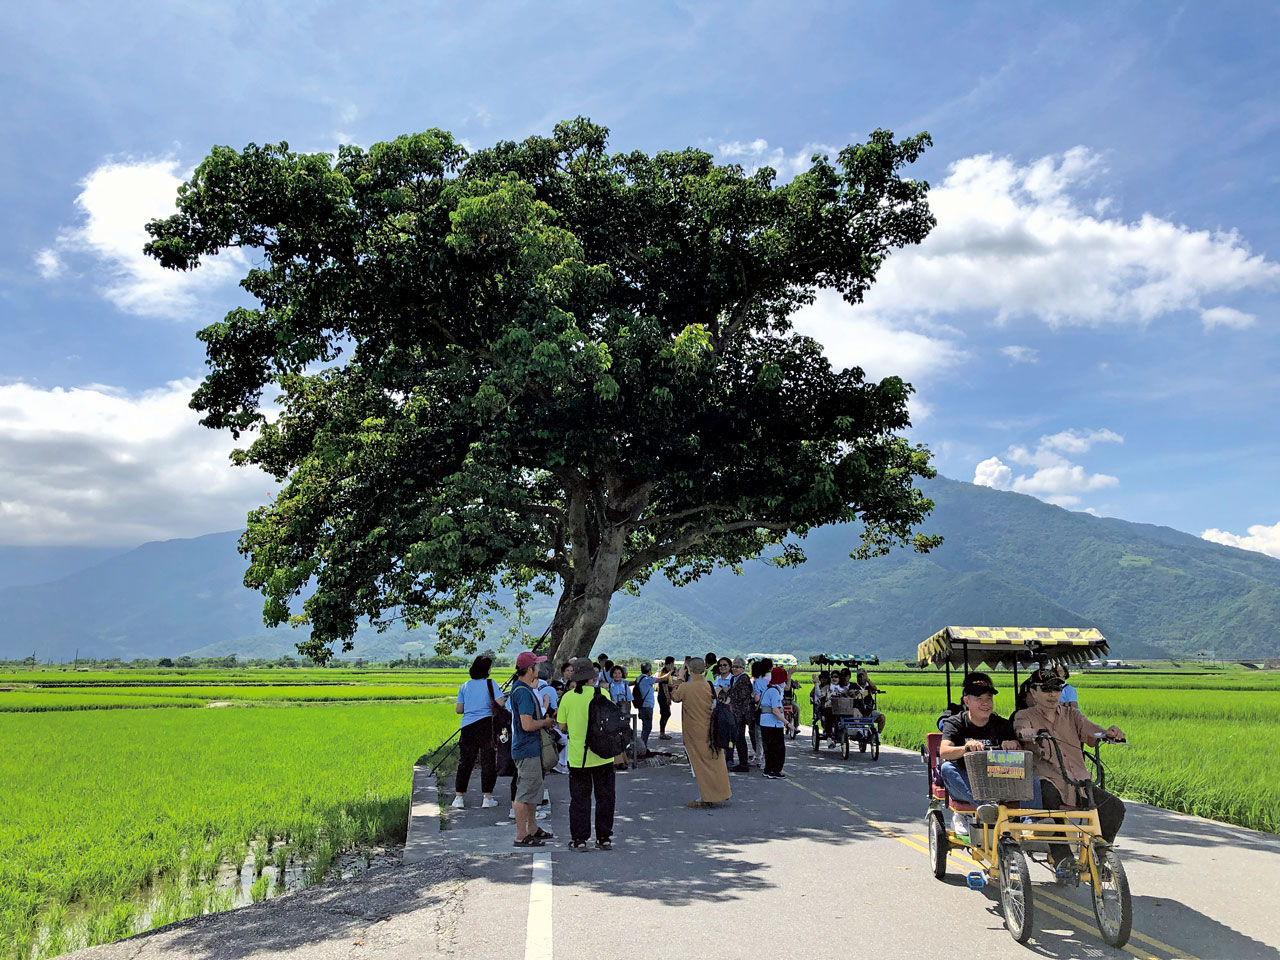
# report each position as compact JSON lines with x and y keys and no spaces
{"x":664,"y":713}
{"x":740,"y":725}
{"x":775,"y":749}
{"x":583,"y":781}
{"x":1110,"y":814}
{"x":477,"y":739}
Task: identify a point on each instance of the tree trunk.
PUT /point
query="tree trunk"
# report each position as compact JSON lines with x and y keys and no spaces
{"x":584,"y":604}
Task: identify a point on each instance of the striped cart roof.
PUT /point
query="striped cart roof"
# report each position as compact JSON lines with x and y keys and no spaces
{"x":996,"y":646}
{"x":779,"y":659}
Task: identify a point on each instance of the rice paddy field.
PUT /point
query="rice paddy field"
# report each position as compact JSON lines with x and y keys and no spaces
{"x":126,"y":802}
{"x":125,"y":807}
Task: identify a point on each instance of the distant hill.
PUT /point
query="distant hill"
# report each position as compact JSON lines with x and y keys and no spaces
{"x":1008,"y":559}
{"x":21,"y":566}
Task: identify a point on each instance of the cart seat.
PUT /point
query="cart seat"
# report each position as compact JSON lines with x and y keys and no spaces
{"x":938,"y":791}
{"x":959,"y":807}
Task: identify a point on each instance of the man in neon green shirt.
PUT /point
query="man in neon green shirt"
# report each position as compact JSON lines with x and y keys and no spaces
{"x":588,"y":772}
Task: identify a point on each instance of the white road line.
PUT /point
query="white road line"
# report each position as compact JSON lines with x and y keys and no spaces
{"x":537,"y":940}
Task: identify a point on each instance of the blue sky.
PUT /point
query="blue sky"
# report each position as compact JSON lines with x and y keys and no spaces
{"x":1093,"y":321}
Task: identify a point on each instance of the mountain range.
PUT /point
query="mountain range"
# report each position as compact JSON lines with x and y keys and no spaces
{"x":1007,"y":559}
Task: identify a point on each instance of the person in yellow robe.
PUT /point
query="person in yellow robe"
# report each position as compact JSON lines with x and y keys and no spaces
{"x":691,"y":690}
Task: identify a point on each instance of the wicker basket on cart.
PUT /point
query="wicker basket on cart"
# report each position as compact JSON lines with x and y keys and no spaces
{"x":846,"y":706}
{"x":999,"y":775}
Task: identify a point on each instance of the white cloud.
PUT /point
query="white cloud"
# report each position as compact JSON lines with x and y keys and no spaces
{"x":116,"y":201}
{"x":1262,"y":539}
{"x":757,"y":153}
{"x":1017,"y":240}
{"x":49,"y":263}
{"x":1226,"y":317}
{"x":993,"y":472}
{"x":854,"y":336}
{"x":97,"y":464}
{"x":1018,"y":354}
{"x":1055,"y":479}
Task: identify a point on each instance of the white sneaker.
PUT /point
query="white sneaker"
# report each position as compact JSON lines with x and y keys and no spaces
{"x":542,"y":814}
{"x":562,"y":769}
{"x":488,"y":802}
{"x":959,"y":824}
{"x":458,"y":804}
{"x":512,"y":814}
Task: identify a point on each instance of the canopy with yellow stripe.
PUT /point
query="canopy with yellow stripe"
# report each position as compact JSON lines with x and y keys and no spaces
{"x":1003,"y":646}
{"x":785,"y":660}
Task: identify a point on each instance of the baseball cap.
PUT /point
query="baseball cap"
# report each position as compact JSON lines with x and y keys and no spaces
{"x":1046,"y":679}
{"x":978,"y":684}
{"x":527,"y":660}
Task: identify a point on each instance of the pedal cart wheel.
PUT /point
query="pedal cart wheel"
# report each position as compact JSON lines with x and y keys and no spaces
{"x":1112,"y":906}
{"x":844,"y":744}
{"x":938,"y":845}
{"x":817,"y":735}
{"x":1015,"y":893}
{"x":875,"y":744}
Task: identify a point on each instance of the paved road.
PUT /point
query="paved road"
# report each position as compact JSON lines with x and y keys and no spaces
{"x":831,"y":861}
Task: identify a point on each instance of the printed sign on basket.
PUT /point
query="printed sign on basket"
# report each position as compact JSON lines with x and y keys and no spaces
{"x":1007,"y":764}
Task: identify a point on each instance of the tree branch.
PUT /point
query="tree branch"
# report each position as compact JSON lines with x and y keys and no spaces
{"x":680,"y":514}
{"x":660,"y":551}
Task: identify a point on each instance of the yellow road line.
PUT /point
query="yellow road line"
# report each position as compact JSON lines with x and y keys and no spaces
{"x":1150,"y":941}
{"x":1146,"y":955}
{"x":965,"y":860}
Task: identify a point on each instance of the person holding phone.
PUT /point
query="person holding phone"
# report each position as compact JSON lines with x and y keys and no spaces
{"x":691,"y":690}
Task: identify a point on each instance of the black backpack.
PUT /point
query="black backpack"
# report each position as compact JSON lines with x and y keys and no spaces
{"x":607,"y":730}
{"x":638,"y":695}
{"x":723,"y":725}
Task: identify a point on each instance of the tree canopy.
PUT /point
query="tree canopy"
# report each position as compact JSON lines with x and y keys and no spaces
{"x":545,"y":366}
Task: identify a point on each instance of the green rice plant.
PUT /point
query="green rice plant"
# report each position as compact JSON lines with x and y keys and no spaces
{"x":97,"y":808}
{"x":258,"y":892}
{"x":36,"y":701}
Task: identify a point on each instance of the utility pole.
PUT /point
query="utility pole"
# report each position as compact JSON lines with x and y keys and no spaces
{"x":77,"y":658}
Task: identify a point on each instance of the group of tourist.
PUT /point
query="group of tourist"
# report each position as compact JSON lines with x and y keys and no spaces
{"x":840,"y":684}
{"x":509,"y":733}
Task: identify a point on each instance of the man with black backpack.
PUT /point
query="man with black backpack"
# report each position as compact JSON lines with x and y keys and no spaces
{"x":597,"y":734}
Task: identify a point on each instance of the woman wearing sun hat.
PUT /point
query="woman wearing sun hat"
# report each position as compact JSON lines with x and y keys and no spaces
{"x":691,"y":690}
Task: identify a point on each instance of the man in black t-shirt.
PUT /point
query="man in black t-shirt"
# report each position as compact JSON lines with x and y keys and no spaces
{"x":970,"y":731}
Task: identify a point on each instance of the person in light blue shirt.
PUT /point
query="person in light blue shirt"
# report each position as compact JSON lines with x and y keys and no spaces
{"x":645,"y":684}
{"x":759,"y":683}
{"x":1069,"y":694}
{"x":772,"y":724}
{"x":475,"y":702}
{"x":723,"y":679}
{"x":619,"y":689}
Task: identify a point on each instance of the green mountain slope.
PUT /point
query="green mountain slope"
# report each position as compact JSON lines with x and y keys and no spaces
{"x":1008,"y":559}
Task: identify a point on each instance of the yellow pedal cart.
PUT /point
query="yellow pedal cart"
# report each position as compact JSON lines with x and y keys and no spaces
{"x":1007,"y":832}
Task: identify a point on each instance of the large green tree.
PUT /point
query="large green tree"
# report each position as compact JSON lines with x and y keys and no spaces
{"x":543,"y":366}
